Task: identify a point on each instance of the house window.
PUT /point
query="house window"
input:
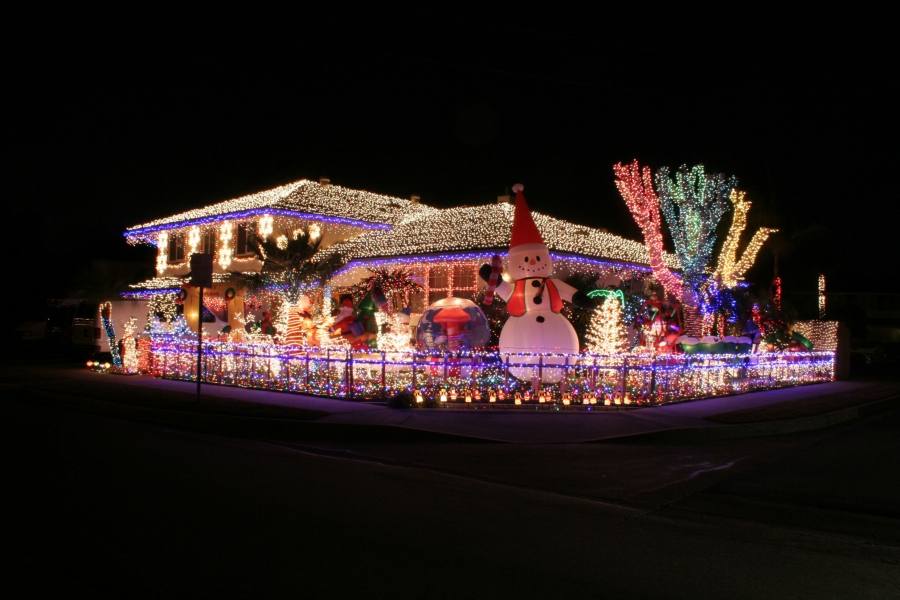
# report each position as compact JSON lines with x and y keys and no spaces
{"x":417,"y":302}
{"x":439,"y":283}
{"x":176,"y":247}
{"x":464,"y":279}
{"x":207,"y":243}
{"x":245,"y":238}
{"x":444,"y":281}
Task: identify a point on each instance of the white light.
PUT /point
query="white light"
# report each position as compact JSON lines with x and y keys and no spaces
{"x":162,"y":256}
{"x":822,"y":296}
{"x":266,"y":226}
{"x":194,"y":239}
{"x":225,"y":250}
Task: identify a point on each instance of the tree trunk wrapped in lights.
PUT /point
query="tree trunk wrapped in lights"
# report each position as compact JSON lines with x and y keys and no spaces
{"x":729,"y":269}
{"x":635,"y":184}
{"x":693,"y":202}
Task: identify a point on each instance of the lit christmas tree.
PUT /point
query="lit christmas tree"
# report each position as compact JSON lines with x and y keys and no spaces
{"x":606,"y":334}
{"x":393,"y":331}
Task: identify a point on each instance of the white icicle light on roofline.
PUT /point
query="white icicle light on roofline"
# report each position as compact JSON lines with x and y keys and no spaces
{"x":165,"y":283}
{"x":162,"y":256}
{"x":266,"y":226}
{"x":158,"y":283}
{"x":225,"y":251}
{"x":483,"y":227}
{"x":193,"y":239}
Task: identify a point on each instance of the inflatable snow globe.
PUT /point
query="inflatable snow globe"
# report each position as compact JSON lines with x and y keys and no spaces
{"x":452,"y":324}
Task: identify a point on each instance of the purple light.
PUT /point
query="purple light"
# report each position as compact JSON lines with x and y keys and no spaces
{"x":142,"y":232}
{"x":148,"y":293}
{"x":480,"y":255}
{"x":647,"y":379}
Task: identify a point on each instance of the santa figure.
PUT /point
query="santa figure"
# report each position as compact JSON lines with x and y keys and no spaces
{"x":534,"y":300}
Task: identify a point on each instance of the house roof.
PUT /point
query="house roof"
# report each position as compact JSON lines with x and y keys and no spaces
{"x":164,"y":285}
{"x":302,"y":199}
{"x":486,"y":227}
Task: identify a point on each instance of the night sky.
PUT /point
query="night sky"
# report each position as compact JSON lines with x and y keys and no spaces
{"x":108,"y":134}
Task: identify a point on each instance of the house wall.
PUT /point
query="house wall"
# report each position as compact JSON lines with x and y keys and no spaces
{"x":122,"y":310}
{"x":461,"y":279}
{"x":330,"y":234}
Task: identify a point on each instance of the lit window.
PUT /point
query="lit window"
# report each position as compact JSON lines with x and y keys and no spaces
{"x":458,"y":280}
{"x":207,"y":242}
{"x":245,"y":238}
{"x":176,"y":247}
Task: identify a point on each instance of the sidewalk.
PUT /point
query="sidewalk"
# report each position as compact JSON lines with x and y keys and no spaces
{"x":757,"y":413}
{"x":707,"y":418}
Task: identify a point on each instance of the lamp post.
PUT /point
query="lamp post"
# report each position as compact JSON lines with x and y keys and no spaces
{"x":200,"y":276}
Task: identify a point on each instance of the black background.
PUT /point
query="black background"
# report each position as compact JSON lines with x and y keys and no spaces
{"x":108,"y":130}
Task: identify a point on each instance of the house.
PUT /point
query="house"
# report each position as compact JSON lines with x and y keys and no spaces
{"x":266,"y":330}
{"x":441,"y":248}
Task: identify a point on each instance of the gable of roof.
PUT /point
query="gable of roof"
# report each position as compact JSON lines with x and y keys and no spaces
{"x":301,"y":199}
{"x":486,"y":227}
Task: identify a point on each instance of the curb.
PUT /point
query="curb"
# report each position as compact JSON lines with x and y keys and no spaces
{"x":244,"y":426}
{"x":766,"y":428}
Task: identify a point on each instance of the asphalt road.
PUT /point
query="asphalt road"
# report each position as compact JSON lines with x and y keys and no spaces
{"x":112,"y":505}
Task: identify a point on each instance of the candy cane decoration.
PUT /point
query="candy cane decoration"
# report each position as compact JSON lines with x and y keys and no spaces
{"x":493,"y":280}
{"x":106,"y":319}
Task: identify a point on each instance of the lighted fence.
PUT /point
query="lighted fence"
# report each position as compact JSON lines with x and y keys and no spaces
{"x":486,"y":377}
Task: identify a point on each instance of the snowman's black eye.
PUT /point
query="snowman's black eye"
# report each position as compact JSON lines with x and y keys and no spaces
{"x":538,"y":257}
{"x":526,"y":259}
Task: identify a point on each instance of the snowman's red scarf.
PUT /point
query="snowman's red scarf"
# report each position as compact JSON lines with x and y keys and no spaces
{"x":516,"y":303}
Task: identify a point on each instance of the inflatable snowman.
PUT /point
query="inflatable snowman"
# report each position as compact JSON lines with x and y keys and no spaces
{"x":534,"y":300}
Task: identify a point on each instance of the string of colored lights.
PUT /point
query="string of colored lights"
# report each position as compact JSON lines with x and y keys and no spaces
{"x":822,"y":296}
{"x":776,"y":294}
{"x":618,"y":294}
{"x":106,"y":320}
{"x":605,"y":334}
{"x":475,"y":377}
{"x":693,"y":202}
{"x":635,"y":184}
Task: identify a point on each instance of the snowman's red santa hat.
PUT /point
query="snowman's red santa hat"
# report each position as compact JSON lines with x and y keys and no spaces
{"x":524,"y":231}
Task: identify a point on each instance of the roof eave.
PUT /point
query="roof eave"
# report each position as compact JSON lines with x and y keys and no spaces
{"x":142,"y":234}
